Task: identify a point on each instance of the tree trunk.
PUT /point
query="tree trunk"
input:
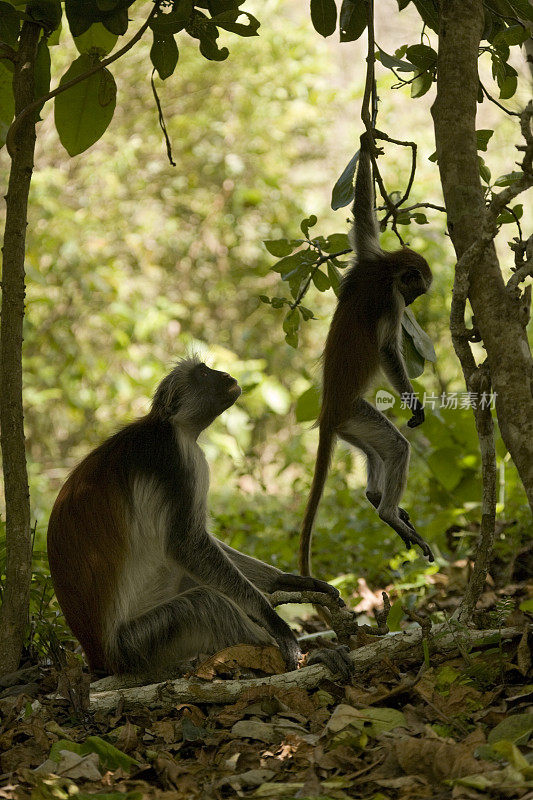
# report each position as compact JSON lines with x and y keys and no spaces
{"x":15,"y":606}
{"x":495,"y":311}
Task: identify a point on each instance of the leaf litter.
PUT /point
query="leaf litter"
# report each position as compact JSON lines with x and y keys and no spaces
{"x":458,"y":728}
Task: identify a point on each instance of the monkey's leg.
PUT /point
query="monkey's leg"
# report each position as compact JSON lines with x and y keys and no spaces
{"x":372,"y":428}
{"x":374,"y":469}
{"x":270,"y":579}
{"x":200,"y":620}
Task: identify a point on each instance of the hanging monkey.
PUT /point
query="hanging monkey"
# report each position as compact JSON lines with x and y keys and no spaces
{"x":365,"y":334}
{"x":140,"y":580}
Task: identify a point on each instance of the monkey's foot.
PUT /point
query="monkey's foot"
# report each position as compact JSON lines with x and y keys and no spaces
{"x":375,"y":499}
{"x":337,"y":660}
{"x":407,"y":533}
{"x":413,"y":538}
{"x":287,"y":582}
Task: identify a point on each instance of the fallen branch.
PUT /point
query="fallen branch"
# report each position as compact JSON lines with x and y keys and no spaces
{"x":451,"y":637}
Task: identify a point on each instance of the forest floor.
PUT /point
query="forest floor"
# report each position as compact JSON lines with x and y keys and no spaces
{"x":428,"y":727}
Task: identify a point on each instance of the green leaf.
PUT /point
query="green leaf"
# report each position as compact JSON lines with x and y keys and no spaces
{"x":307,"y":223}
{"x":419,"y":218}
{"x":508,"y":87}
{"x":421,"y":84}
{"x":308,"y":405}
{"x":414,"y":362}
{"x":512,"y":729}
{"x":110,"y":757}
{"x":46,"y":12}
{"x":336,"y":243}
{"x":484,"y":171}
{"x":7,"y":103}
{"x":343,"y":190}
{"x":42,"y":70}
{"x":321,"y":281}
{"x":443,"y":464}
{"x":228,"y":21}
{"x":9,"y":24}
{"x":174,"y":20}
{"x":292,"y":339}
{"x":279,"y":247}
{"x":482,"y":139}
{"x":289,"y":263}
{"x":392,"y":62}
{"x":422,"y":56}
{"x":421,"y":340}
{"x":428,"y":11}
{"x":353,"y":20}
{"x":82,"y":13}
{"x":505,"y":217}
{"x":96,"y":39}
{"x":523,"y":9}
{"x":508,"y":179}
{"x":291,"y":323}
{"x":514,"y":35}
{"x":324,"y":16}
{"x":334,"y":277}
{"x":164,"y":55}
{"x":527,"y":605}
{"x":83,"y":112}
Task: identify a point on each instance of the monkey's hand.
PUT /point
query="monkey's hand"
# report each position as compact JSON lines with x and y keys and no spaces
{"x":336,"y":659}
{"x":418,"y":415}
{"x":287,"y":582}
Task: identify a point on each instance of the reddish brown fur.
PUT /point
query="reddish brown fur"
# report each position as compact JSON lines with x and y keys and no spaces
{"x":86,"y":545}
{"x":351,"y":355}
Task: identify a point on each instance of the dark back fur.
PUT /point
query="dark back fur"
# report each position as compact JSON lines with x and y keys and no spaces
{"x":88,"y":528}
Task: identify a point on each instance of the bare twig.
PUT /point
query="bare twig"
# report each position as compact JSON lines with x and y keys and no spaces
{"x":7,"y":52}
{"x":493,"y":100}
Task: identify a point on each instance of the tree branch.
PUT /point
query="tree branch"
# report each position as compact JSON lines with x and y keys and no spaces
{"x":450,"y":637}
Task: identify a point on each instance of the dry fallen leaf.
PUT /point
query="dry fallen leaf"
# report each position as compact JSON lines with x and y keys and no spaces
{"x":232,"y":660}
{"x":437,"y":760}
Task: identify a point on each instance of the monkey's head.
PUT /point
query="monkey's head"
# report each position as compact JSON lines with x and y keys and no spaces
{"x":412,"y":274}
{"x":193,"y":395}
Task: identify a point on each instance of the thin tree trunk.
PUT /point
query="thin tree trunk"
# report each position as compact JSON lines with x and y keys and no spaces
{"x":15,"y":606}
{"x":496,"y":311}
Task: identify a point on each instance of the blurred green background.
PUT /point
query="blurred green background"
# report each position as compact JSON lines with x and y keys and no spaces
{"x":131,"y":262}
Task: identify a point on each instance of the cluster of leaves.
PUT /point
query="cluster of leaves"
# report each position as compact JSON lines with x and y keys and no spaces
{"x":317,"y":261}
{"x":84,"y":111}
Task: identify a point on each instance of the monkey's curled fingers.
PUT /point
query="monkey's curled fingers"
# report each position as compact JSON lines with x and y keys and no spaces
{"x":375,"y":499}
{"x":287,"y":582}
{"x":418,"y":415}
{"x":413,"y":538}
{"x":337,"y":660}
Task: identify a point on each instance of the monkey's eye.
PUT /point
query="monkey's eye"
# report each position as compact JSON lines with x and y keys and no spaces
{"x":202,"y":371}
{"x":411,"y":276}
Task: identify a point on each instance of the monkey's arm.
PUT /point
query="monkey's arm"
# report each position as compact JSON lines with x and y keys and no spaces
{"x":271,"y":579}
{"x":200,"y":556}
{"x":394,"y":368}
{"x":365,"y":232}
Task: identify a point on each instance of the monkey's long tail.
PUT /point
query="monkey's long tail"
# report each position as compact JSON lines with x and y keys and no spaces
{"x":326,"y":442}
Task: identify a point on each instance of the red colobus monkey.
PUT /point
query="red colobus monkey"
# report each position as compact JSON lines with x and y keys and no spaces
{"x":140,"y":580}
{"x":365,"y":334}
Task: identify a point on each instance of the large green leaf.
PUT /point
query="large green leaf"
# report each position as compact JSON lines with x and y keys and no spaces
{"x":9,"y":24}
{"x":421,"y":340}
{"x":174,"y":20}
{"x":324,"y":16}
{"x":83,"y":112}
{"x":352,"y":20}
{"x":7,"y":103}
{"x":342,"y":193}
{"x":96,"y":39}
{"x":308,"y":405}
{"x":164,"y":55}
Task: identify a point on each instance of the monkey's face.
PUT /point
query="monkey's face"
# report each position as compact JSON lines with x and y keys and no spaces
{"x":217,"y":390}
{"x":415,"y":278}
